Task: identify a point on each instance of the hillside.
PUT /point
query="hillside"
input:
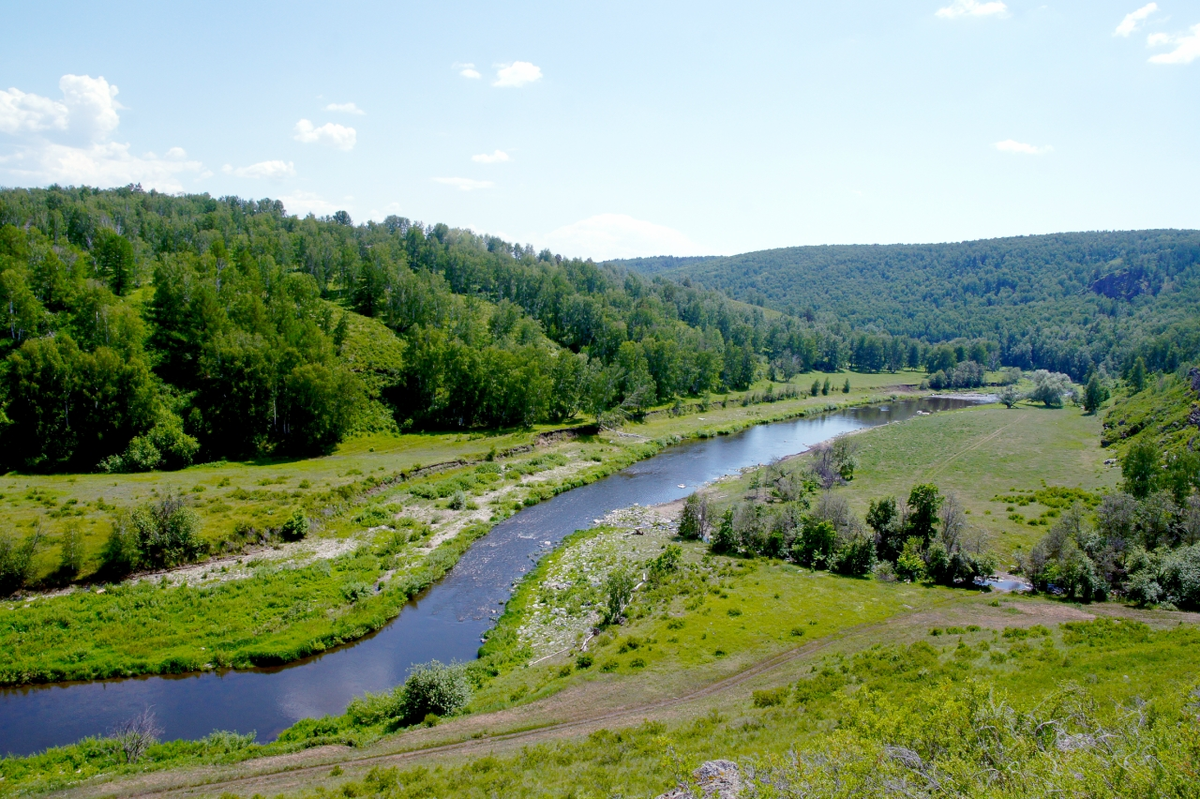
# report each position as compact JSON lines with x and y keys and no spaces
{"x":145,"y":330}
{"x":1066,"y":301}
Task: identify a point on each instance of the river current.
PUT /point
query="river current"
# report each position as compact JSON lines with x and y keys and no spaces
{"x":446,"y":622}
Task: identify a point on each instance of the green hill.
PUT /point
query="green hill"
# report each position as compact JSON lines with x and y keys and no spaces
{"x":1066,"y":301}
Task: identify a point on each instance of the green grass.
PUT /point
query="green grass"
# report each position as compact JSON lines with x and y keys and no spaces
{"x":920,"y":696}
{"x":712,"y":619}
{"x":980,"y":454}
{"x":290,"y":609}
{"x":275,"y":616}
{"x":1158,"y":413}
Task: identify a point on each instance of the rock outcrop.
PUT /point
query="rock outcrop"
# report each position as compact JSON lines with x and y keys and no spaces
{"x":715,"y":779}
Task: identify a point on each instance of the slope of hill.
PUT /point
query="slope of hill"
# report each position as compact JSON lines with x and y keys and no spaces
{"x":1064,"y":301}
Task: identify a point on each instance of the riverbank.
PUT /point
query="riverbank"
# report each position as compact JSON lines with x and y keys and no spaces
{"x":404,"y":523}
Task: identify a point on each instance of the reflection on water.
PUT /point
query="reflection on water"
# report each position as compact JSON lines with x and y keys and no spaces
{"x":445,"y":623}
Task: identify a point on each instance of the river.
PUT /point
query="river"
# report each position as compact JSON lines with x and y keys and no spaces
{"x":445,"y":622}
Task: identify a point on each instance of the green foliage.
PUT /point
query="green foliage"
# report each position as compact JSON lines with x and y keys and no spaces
{"x":693,"y":520}
{"x":618,"y":590}
{"x":1067,"y":302}
{"x":1094,"y":395}
{"x":1049,"y":388}
{"x":1137,"y":375}
{"x":666,"y":564}
{"x":165,"y":533}
{"x":253,"y":356}
{"x":296,"y":526}
{"x":70,"y":552}
{"x":1010,"y":395}
{"x":16,"y":560}
{"x":1141,"y":468}
{"x":910,"y":563}
{"x":923,"y":505}
{"x":433,"y":688}
{"x":816,"y":544}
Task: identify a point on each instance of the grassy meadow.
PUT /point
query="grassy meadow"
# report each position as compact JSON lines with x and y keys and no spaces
{"x":382,"y":521}
{"x":731,"y":658}
{"x":1013,"y":470}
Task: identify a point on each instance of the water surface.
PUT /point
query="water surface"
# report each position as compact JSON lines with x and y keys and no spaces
{"x":446,"y":622}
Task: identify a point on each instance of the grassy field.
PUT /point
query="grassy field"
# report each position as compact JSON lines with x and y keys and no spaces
{"x":230,"y":496}
{"x":998,"y":462}
{"x":893,"y":658}
{"x":380,"y":521}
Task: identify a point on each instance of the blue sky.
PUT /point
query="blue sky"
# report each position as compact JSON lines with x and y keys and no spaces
{"x":622,"y":129}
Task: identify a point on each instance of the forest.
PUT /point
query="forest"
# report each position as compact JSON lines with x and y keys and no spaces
{"x":150,"y":331}
{"x":1068,"y":302}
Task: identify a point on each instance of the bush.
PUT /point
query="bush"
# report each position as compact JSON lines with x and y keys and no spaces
{"x":16,"y":561}
{"x":693,"y":521}
{"x":119,"y":555}
{"x":436,"y":688}
{"x":856,"y":557}
{"x":295,"y":528}
{"x":71,"y":557}
{"x":618,"y":590}
{"x":771,"y":697}
{"x":373,"y":516}
{"x":817,"y":543}
{"x":910,"y":565}
{"x":167,"y":533}
{"x":156,"y":535}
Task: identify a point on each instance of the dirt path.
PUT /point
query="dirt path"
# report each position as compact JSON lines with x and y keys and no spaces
{"x":299,"y":770}
{"x":306,"y":769}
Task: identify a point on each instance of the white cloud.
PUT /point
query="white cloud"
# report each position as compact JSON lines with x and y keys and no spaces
{"x":87,"y":112}
{"x":105,"y":164}
{"x":516,"y":74}
{"x":608,"y":236}
{"x":331,"y":133}
{"x":465,"y":184}
{"x":1187,"y":47}
{"x":467,"y":71}
{"x":30,"y":113}
{"x":1014,"y":146}
{"x":1134,"y":20}
{"x":972,"y":8}
{"x":300,"y":203}
{"x":494,"y":158}
{"x":67,"y":141}
{"x":271,"y":170}
{"x":345,"y":108}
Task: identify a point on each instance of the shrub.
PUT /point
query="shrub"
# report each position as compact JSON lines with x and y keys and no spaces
{"x":16,"y":561}
{"x":458,"y":500}
{"x":296,"y":527}
{"x":373,"y":516}
{"x":693,"y":522}
{"x":910,"y":565}
{"x":618,"y":590}
{"x":167,"y":533}
{"x":771,"y":696}
{"x":584,"y":661}
{"x":436,"y":688}
{"x":71,"y":548}
{"x":856,"y":556}
{"x":817,"y":542}
{"x":119,"y":555}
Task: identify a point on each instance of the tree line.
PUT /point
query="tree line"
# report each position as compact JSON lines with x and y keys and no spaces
{"x":1070,"y":302}
{"x":145,"y":331}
